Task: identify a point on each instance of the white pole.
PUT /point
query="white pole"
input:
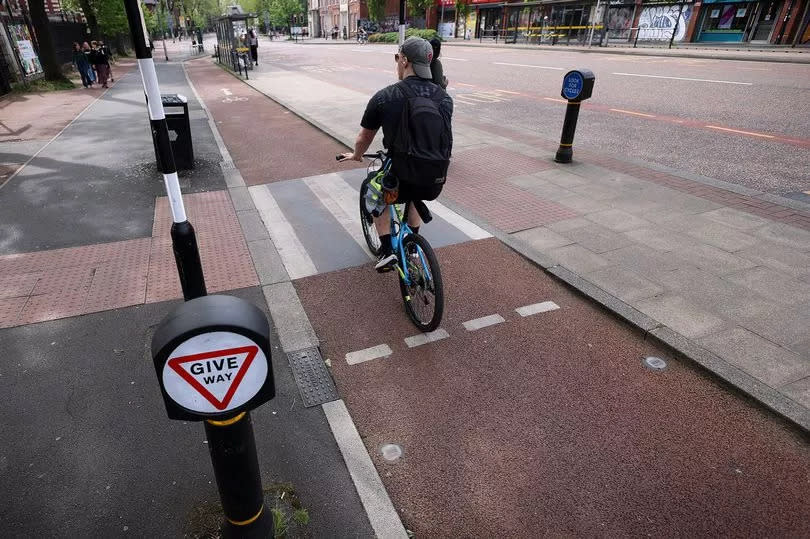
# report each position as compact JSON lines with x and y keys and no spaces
{"x":595,"y":16}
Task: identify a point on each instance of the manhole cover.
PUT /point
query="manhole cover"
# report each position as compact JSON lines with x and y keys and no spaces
{"x":313,"y":378}
{"x":655,"y":363}
{"x":391,"y":452}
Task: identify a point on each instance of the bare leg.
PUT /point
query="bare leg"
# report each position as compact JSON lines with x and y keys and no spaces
{"x":383,"y":222}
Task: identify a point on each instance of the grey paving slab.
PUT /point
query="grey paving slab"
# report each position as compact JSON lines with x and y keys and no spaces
{"x":785,"y":235}
{"x":541,"y":188}
{"x":644,"y":261}
{"x":667,"y":216}
{"x":582,"y":204}
{"x":597,"y":191}
{"x":786,"y":326}
{"x":587,"y":170}
{"x":252,"y":226}
{"x":798,"y":391}
{"x":660,"y":239}
{"x":778,"y":257}
{"x":690,"y":204}
{"x":725,"y":299}
{"x":269,"y":266}
{"x":617,"y":220}
{"x":562,"y":178}
{"x":712,"y":259}
{"x":241,"y":199}
{"x":542,"y":239}
{"x":720,"y":236}
{"x":736,"y":219}
{"x":634,"y":204}
{"x":624,"y":283}
{"x":578,"y":259}
{"x":681,"y":315}
{"x":774,"y":285}
{"x":569,"y":224}
{"x":757,"y":356}
{"x":598,"y":239}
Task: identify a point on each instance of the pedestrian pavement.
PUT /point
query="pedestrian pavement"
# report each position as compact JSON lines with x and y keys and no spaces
{"x":730,"y":51}
{"x":86,"y":274}
{"x":718,"y":272}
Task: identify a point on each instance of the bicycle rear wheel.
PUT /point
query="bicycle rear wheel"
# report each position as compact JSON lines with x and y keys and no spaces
{"x":367,"y":223}
{"x":424,"y":297}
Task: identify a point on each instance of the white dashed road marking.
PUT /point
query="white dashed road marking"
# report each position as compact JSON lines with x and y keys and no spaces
{"x":375,"y":352}
{"x":528,"y":65}
{"x":683,"y":78}
{"x":484,"y":321}
{"x":535,"y":308}
{"x":424,"y":338}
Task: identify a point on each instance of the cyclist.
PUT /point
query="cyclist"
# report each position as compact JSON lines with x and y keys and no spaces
{"x":385,"y":110}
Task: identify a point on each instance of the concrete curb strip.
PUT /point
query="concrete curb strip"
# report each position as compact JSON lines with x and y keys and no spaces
{"x":764,"y":394}
{"x":296,"y":333}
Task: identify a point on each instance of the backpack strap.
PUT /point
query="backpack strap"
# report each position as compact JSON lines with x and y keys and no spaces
{"x":409,"y":93}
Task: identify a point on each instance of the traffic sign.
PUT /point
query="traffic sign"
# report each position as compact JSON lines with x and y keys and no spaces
{"x":212,"y":358}
{"x":578,"y":85}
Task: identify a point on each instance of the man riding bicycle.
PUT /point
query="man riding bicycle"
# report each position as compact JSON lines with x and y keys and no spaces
{"x":421,"y":168}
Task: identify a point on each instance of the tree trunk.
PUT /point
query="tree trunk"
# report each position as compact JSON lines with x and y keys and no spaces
{"x":90,"y":15}
{"x":47,"y":52}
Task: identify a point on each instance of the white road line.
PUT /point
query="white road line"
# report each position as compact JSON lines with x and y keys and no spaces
{"x":341,"y":200}
{"x":464,"y":84}
{"x":290,"y":248}
{"x":484,"y":321}
{"x":556,"y":100}
{"x":381,"y":513}
{"x":683,"y":78}
{"x":740,"y":132}
{"x":633,"y":113}
{"x":472,"y":231}
{"x":509,"y":92}
{"x":424,"y":338}
{"x":528,"y":65}
{"x":451,"y":58}
{"x":375,"y":352}
{"x":535,"y":308}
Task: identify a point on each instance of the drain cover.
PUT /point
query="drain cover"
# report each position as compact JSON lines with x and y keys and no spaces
{"x":312,"y":376}
{"x":655,"y":363}
{"x":391,"y":452}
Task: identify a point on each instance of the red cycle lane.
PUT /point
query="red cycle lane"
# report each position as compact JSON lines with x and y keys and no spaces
{"x":548,"y":424}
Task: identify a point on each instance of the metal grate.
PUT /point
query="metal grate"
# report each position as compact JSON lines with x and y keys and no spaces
{"x":313,"y":378}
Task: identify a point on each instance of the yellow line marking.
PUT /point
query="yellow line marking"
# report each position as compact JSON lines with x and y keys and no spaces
{"x":633,"y":113}
{"x":463,"y":84}
{"x":226,"y":422}
{"x":740,"y":132}
{"x":566,"y":145}
{"x":248,"y":521}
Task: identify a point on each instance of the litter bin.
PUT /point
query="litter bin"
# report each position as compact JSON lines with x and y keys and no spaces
{"x":175,"y":106}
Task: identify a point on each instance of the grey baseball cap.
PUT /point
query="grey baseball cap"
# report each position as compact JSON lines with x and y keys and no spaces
{"x":419,"y":53}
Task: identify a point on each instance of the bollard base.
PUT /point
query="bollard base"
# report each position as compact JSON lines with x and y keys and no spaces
{"x":261,"y":528}
{"x":564,"y":154}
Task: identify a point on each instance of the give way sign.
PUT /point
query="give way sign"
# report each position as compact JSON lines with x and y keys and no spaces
{"x":215,"y":372}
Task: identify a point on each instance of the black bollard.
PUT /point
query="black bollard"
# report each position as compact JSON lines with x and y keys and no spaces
{"x":577,"y":87}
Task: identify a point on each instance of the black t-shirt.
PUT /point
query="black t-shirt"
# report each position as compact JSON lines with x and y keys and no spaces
{"x":385,"y":108}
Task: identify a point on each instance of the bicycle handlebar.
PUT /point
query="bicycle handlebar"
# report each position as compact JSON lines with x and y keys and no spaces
{"x":379,"y":154}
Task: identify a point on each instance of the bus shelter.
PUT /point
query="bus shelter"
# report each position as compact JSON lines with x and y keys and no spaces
{"x":232,"y":48}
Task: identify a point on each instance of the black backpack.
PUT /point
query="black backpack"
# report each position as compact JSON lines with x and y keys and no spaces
{"x":423,"y":141}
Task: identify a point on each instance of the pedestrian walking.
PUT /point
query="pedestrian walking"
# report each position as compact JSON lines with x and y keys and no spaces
{"x":253,"y":41}
{"x":82,"y":65}
{"x":110,"y":58}
{"x":436,"y":67}
{"x":101,"y":64}
{"x":88,"y":55}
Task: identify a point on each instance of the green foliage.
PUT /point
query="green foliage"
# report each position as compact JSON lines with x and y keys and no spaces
{"x":462,"y":8}
{"x":151,"y":20}
{"x":301,"y":517}
{"x":112,"y":19}
{"x":42,"y":85}
{"x":376,"y":10}
{"x":418,"y":7}
{"x":281,"y":10}
{"x":393,"y":37}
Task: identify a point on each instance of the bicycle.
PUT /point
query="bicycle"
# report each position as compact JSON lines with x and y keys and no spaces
{"x":420,"y":278}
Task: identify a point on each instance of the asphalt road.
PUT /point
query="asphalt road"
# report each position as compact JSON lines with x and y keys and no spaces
{"x":746,"y":123}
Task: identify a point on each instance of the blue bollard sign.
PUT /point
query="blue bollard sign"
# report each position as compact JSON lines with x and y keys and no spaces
{"x":578,"y":85}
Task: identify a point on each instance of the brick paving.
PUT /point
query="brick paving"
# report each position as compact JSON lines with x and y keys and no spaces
{"x":477,"y":180}
{"x":47,"y":285}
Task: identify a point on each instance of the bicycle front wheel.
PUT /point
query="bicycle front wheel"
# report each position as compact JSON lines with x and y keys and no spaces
{"x":424,"y":296}
{"x":367,"y":223}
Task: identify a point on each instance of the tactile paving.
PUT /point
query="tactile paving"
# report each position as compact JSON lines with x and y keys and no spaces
{"x":313,"y":378}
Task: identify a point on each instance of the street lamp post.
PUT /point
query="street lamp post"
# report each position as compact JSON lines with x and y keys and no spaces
{"x":401,"y":22}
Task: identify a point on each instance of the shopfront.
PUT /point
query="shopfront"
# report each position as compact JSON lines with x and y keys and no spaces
{"x":446,"y":18}
{"x":533,"y":22}
{"x":621,"y":15}
{"x":660,"y":22}
{"x":727,"y":22}
{"x":489,"y":19}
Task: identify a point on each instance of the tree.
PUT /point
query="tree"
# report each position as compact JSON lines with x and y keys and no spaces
{"x":376,"y":10}
{"x":47,"y":51}
{"x":418,"y":8}
{"x":282,"y":10}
